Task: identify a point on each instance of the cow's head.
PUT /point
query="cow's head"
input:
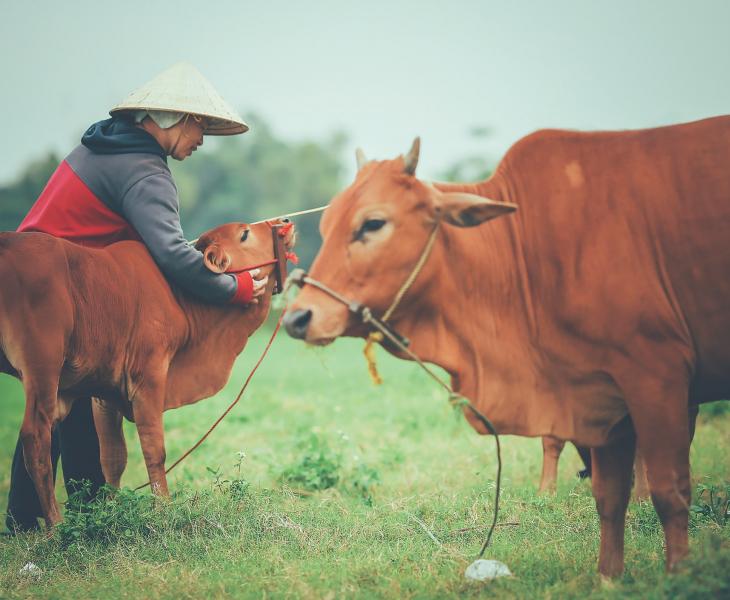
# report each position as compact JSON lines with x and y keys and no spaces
{"x":373,"y":234}
{"x":236,"y":246}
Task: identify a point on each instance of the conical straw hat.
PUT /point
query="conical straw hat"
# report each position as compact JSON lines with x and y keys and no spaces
{"x":182,"y":88}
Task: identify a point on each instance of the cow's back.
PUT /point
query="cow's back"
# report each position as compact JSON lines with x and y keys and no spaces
{"x":123,"y":301}
{"x":112,"y":307}
{"x":626,"y":232}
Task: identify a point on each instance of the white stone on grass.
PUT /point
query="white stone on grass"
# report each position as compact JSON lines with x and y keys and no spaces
{"x":31,"y":569}
{"x":482,"y":569}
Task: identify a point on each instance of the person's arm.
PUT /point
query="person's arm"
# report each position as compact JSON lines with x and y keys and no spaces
{"x":151,"y":207}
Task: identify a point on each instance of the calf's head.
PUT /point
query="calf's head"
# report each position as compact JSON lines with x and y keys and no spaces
{"x":373,"y":235}
{"x":237,"y":246}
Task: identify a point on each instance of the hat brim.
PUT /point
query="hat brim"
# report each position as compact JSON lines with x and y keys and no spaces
{"x":217,"y":126}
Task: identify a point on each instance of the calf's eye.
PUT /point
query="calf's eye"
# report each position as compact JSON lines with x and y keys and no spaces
{"x":244,"y":235}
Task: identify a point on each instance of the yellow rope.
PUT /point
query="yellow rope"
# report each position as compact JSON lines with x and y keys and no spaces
{"x":375,"y":337}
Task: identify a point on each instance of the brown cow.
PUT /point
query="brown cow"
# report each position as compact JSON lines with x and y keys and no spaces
{"x":598,"y":313}
{"x":77,"y":321}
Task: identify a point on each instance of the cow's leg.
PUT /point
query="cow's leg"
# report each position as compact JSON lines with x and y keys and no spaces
{"x":664,"y":436}
{"x":35,"y":435}
{"x":611,"y":479}
{"x":551,"y":449}
{"x":585,"y":456}
{"x":112,"y":446}
{"x":148,"y":406}
{"x":693,"y":412}
{"x":641,"y":484}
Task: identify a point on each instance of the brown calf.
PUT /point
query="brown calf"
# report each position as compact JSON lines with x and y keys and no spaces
{"x":85,"y":322}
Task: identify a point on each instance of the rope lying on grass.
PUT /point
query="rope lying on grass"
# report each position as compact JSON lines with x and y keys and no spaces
{"x":230,"y":407}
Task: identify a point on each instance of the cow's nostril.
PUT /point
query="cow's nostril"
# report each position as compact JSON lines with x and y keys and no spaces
{"x":297,"y":322}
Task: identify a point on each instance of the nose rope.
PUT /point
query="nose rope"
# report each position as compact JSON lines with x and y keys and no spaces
{"x":300,"y":278}
{"x":414,"y":273}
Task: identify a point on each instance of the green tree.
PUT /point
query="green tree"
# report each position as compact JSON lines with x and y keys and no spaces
{"x":17,"y":197}
{"x":258,"y":176}
{"x":475,"y":166}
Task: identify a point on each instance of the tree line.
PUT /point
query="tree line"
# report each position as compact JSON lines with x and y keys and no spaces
{"x":246,"y":178}
{"x":238,"y":179}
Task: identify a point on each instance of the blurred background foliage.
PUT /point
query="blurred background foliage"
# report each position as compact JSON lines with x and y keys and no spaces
{"x":249,"y":178}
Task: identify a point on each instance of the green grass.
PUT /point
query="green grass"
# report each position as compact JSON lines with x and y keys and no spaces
{"x":350,"y":490}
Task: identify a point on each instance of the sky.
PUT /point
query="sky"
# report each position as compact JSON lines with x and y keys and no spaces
{"x":381,"y":71}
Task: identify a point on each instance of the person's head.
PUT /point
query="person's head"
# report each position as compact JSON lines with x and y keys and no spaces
{"x":179,"y":107}
{"x":179,"y":134}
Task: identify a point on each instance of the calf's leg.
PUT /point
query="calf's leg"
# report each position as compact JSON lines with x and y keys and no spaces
{"x":611,"y":480}
{"x":551,"y":449}
{"x":35,"y":435}
{"x":148,"y":407}
{"x":112,"y":446}
{"x":24,"y":507}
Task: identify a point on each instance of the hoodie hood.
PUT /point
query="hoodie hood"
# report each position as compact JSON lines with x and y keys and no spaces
{"x":119,"y":135}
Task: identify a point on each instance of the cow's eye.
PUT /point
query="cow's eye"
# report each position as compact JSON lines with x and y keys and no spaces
{"x":244,"y":235}
{"x":368,"y":227}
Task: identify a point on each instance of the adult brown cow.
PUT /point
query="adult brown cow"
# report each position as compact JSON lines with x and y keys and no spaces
{"x":597,"y":313}
{"x":78,"y":321}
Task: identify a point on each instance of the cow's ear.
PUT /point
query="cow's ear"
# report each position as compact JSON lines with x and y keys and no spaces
{"x":216,"y":259}
{"x":469,"y":210}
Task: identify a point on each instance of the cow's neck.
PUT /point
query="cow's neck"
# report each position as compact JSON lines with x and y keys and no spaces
{"x":216,"y":335}
{"x":227,"y":326}
{"x":486,"y":351}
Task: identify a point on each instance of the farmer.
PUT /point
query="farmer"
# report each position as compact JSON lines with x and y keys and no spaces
{"x":115,"y":186}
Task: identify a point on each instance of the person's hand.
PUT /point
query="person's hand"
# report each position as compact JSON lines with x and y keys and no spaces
{"x":251,"y":285}
{"x":259,"y":284}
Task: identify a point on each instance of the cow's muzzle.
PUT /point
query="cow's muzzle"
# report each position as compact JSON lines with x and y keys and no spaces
{"x":297,"y":323}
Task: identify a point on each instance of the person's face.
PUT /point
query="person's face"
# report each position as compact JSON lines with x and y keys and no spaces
{"x":186,"y":136}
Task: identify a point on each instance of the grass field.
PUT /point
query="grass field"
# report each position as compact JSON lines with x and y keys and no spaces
{"x":409,"y":489}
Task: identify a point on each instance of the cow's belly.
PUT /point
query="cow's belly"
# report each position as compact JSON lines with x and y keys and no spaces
{"x":583,"y":408}
{"x":85,"y":385}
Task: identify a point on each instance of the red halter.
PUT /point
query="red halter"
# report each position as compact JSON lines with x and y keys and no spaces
{"x":281,"y":256}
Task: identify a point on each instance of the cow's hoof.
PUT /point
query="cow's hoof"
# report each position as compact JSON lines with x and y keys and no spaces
{"x":608,"y":583}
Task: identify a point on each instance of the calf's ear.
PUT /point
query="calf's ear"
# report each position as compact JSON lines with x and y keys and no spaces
{"x":216,"y":259}
{"x":468,"y":210}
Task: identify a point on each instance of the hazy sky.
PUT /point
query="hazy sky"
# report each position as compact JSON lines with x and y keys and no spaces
{"x":383,"y":71}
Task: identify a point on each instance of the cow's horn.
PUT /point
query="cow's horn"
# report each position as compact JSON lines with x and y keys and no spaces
{"x":361,"y":159}
{"x":411,"y":159}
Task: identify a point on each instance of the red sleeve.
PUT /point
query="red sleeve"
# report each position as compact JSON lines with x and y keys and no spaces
{"x":244,"y":291}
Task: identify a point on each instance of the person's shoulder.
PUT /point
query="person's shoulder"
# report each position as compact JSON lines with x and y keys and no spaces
{"x":126,"y":169}
{"x":143,"y":164}
{"x":138,"y":162}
